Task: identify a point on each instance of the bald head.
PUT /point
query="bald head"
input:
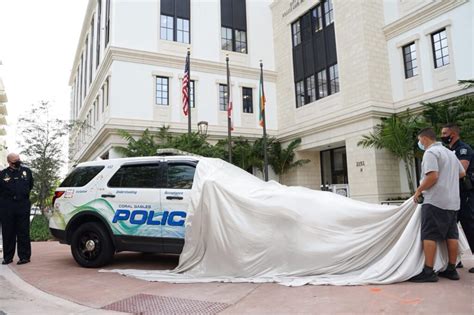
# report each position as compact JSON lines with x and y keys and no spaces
{"x":13,"y":160}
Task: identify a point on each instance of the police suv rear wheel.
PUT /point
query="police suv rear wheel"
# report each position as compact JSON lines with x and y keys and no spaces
{"x":91,"y":245}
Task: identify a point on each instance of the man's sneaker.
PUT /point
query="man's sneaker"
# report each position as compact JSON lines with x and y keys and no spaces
{"x":450,"y":274}
{"x":471,"y":270}
{"x":460,"y":265}
{"x":425,"y":276}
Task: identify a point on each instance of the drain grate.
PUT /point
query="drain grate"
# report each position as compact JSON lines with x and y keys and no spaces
{"x":154,"y":304}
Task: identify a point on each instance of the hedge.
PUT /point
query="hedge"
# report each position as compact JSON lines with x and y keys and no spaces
{"x":39,"y":228}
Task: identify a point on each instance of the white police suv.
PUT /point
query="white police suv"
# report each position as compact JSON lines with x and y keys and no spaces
{"x":129,"y":204}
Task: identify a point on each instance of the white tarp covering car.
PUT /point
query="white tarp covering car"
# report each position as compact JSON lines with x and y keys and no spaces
{"x":242,"y":229}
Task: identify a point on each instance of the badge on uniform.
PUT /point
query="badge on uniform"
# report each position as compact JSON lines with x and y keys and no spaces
{"x":23,"y":175}
{"x":463,"y":151}
{"x":7,"y":178}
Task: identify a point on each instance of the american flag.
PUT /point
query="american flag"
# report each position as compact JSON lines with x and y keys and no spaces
{"x":185,"y":87}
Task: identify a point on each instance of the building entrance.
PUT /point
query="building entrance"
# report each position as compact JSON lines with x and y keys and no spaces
{"x":333,"y":168}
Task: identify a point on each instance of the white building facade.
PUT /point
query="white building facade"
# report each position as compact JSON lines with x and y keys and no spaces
{"x":129,"y":74}
{"x":332,"y":70}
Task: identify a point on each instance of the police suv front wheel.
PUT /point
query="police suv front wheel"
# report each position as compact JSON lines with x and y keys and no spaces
{"x":91,"y":245}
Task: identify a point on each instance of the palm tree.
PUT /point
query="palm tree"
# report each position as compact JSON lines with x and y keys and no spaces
{"x":145,"y":145}
{"x":459,"y":110}
{"x":397,"y":134}
{"x":282,"y":160}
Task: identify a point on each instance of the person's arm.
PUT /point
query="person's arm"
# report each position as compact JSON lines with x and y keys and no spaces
{"x":465,"y":164}
{"x":462,"y":169}
{"x":31,"y":180}
{"x":430,"y":179}
{"x":431,"y":172}
{"x":2,"y":183}
{"x":465,"y":156}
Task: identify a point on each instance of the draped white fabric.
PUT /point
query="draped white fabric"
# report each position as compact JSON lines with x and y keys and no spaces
{"x":242,"y":229}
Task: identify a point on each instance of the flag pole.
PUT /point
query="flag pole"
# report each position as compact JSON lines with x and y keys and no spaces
{"x":189,"y":91}
{"x":229,"y":122}
{"x":264,"y":125}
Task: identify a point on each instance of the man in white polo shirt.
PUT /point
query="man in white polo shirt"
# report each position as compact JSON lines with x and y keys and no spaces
{"x":439,"y":186}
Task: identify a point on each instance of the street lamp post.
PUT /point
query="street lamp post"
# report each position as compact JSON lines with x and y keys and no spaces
{"x":202,"y":127}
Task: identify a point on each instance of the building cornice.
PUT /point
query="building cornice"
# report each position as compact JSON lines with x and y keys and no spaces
{"x":421,"y":16}
{"x":366,"y":111}
{"x":446,"y":93}
{"x":163,"y":60}
{"x":303,"y":130}
{"x":177,"y":62}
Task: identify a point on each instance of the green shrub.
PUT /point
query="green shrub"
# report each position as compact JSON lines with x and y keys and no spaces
{"x":39,"y":228}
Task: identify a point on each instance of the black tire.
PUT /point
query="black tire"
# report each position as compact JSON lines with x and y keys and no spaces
{"x":91,"y":245}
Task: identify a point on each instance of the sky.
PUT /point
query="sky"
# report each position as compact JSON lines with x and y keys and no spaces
{"x":38,"y":40}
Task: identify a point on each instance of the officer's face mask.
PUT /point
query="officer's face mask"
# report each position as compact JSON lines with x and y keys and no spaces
{"x":16,"y":164}
{"x":447,"y":139}
{"x":421,"y":146}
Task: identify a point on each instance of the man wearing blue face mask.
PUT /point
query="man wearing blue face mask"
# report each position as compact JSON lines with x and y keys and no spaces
{"x":441,"y":171}
{"x":15,"y":205}
{"x":450,"y":136}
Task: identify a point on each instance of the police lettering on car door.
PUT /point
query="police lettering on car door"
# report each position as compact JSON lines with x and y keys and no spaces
{"x":140,"y":216}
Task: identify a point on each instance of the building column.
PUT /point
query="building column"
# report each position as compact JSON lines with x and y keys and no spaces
{"x":308,"y":175}
{"x":374,"y":175}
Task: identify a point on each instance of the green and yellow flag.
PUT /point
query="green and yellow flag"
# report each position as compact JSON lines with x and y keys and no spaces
{"x":261,"y":99}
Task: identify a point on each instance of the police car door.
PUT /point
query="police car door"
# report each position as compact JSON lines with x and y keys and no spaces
{"x":174,"y":201}
{"x":134,"y":193}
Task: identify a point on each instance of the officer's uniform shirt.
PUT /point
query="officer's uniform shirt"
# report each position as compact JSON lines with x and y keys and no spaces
{"x":464,"y":152}
{"x":16,"y":184}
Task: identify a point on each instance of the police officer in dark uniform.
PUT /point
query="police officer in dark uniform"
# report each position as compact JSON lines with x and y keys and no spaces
{"x":465,"y":154}
{"x":15,"y":205}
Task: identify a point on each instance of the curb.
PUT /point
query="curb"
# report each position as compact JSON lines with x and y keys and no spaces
{"x":38,"y":298}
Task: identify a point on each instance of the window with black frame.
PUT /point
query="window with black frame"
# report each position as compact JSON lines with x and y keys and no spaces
{"x":162,"y":91}
{"x":234,"y":26}
{"x":333,"y":79}
{"x":439,"y":41}
{"x":295,"y":28}
{"x":315,"y":66}
{"x":322,"y":85}
{"x":182,"y":30}
{"x":311,"y":89}
{"x":226,"y":38}
{"x":91,"y":49}
{"x":97,"y":45}
{"x":247,"y":100}
{"x":175,"y":20}
{"x":409,"y":60}
{"x":300,"y":98}
{"x":107,"y":22}
{"x":223,"y":97}
{"x":167,"y":27}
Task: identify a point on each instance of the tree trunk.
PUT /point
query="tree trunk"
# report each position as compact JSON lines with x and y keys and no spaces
{"x":408,"y":170}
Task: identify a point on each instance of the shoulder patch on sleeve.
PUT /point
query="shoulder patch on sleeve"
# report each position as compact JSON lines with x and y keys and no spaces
{"x":463,"y":151}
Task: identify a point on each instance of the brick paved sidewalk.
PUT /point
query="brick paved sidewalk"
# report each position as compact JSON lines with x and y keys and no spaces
{"x":54,"y":271}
